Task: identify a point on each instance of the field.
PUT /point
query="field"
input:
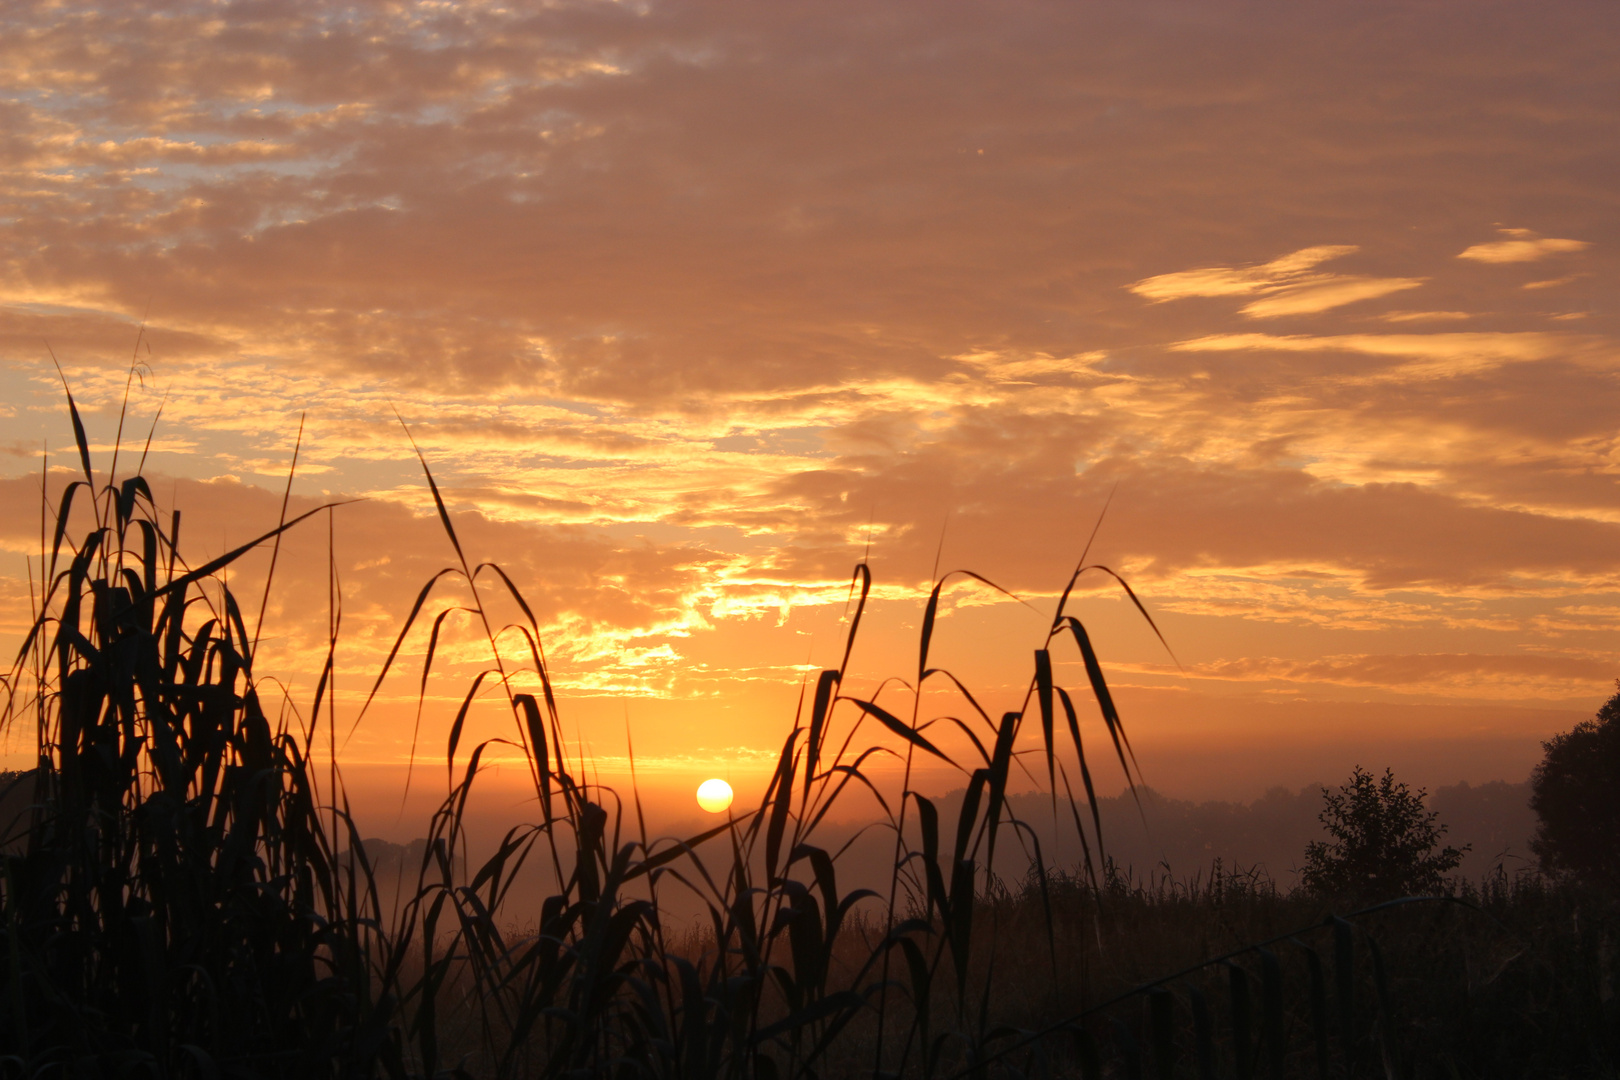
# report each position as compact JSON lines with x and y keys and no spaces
{"x":192,"y":896}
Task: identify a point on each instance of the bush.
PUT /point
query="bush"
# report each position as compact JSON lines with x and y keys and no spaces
{"x":1575,"y":792}
{"x":1383,"y":843}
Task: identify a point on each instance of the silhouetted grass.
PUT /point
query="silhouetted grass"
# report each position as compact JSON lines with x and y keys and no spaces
{"x":177,"y":905}
{"x":194,"y":899}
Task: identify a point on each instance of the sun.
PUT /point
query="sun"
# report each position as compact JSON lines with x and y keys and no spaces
{"x":714,"y":795}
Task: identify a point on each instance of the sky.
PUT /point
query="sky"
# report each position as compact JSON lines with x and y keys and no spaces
{"x":690,"y":307}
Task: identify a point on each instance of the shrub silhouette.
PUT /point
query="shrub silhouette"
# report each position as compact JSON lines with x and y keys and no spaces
{"x":1383,"y":842}
{"x":1575,"y":792}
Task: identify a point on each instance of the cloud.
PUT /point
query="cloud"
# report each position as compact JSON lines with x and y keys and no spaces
{"x":1426,"y":316}
{"x":1285,"y":282}
{"x":1495,"y":346}
{"x":1449,"y":674}
{"x":1335,"y":292}
{"x":1436,"y":355}
{"x":687,"y":302}
{"x":1522,"y":246}
{"x":1240,"y":281}
{"x":620,"y":206}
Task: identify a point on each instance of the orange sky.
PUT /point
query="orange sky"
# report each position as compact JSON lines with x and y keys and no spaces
{"x":689,"y":303}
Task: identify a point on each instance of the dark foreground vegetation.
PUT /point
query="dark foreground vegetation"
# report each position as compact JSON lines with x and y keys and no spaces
{"x":188,"y":895}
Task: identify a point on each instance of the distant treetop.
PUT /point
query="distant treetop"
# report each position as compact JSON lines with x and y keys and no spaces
{"x":1383,"y":843}
{"x":1575,"y":792}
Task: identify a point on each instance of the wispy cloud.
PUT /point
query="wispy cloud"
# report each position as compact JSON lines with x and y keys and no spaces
{"x":1287,"y":284}
{"x":1448,"y":674}
{"x":1552,"y":283}
{"x":1426,"y":316}
{"x":1239,"y":281}
{"x":1522,"y":245}
{"x":1437,"y":355}
{"x":1325,"y":296}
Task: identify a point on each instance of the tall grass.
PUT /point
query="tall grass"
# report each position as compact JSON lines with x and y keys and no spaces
{"x":194,"y":899}
{"x":178,"y":903}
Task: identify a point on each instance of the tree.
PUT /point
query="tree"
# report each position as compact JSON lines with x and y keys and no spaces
{"x":1383,"y":844}
{"x":1575,"y":792}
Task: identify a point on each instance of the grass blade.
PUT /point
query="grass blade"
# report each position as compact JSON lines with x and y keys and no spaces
{"x":1104,"y":699}
{"x":281,"y":519}
{"x":822,"y":705}
{"x":894,"y":724}
{"x":208,"y":569}
{"x":1085,"y":771}
{"x":863,"y":574}
{"x":536,"y":728}
{"x":1043,"y":696}
{"x":78,"y":424}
